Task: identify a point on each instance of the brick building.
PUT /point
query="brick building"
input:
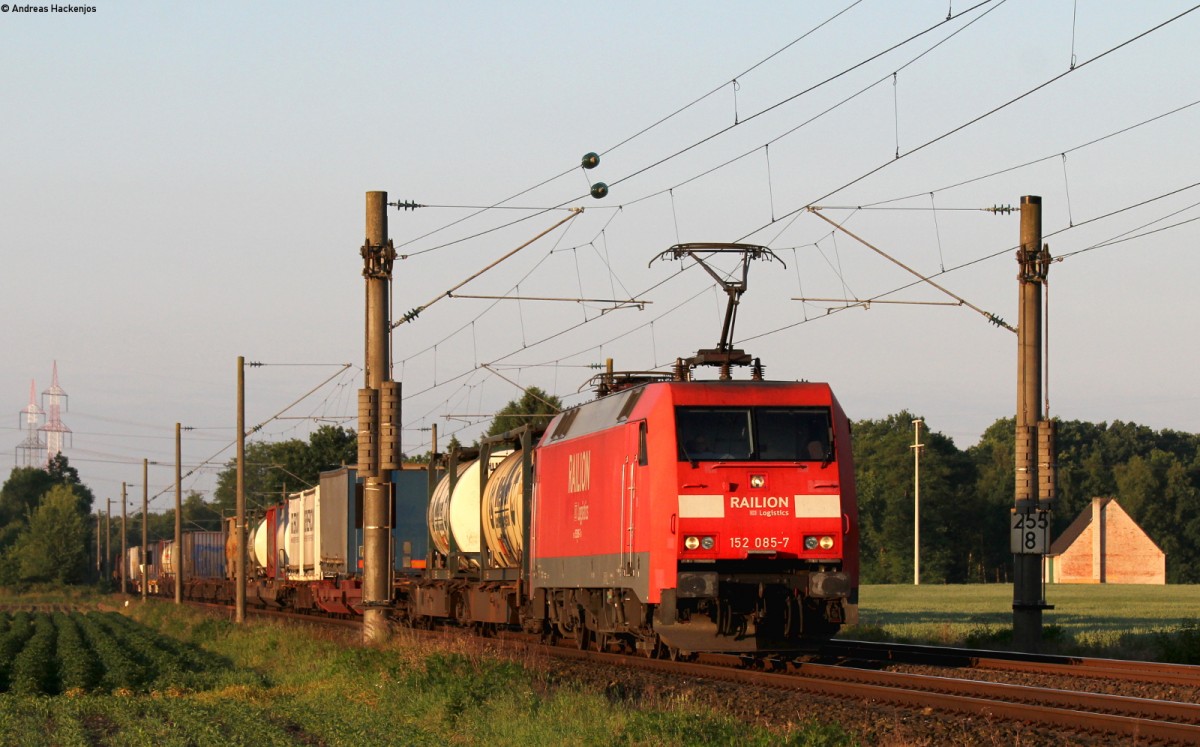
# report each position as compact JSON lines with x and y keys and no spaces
{"x":1105,"y":546}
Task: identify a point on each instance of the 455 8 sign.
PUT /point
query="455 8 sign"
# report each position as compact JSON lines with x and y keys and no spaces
{"x":1030,"y":533}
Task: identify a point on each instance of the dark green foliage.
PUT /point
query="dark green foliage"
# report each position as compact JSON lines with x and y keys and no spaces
{"x":53,"y":548}
{"x":1181,"y":646}
{"x":966,"y":496}
{"x":99,"y":652}
{"x":275,"y":468}
{"x":35,"y":668}
{"x":535,"y":408}
{"x":19,"y":630}
{"x":77,"y":665}
{"x":22,"y":500}
{"x":121,"y":671}
{"x":951,"y":540}
{"x":463,"y":683}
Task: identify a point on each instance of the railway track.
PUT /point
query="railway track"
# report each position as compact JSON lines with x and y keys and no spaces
{"x":848,"y":652}
{"x":1125,"y":718}
{"x":851,"y":671}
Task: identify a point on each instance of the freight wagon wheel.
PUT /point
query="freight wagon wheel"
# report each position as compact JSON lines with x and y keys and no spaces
{"x":549,"y":636}
{"x":583,"y":636}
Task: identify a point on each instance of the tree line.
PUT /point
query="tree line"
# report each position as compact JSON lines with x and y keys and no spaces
{"x":966,"y":495}
{"x":47,"y":524}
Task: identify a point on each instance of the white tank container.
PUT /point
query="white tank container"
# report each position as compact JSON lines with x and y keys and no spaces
{"x":438,"y":516}
{"x":465,"y":504}
{"x":503,"y":507}
{"x":259,"y":544}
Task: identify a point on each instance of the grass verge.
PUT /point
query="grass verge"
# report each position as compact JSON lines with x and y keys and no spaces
{"x":1157,"y":623}
{"x":288,"y":685}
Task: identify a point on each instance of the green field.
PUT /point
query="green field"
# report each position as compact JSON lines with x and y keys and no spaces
{"x":177,"y":676}
{"x":1094,"y":619}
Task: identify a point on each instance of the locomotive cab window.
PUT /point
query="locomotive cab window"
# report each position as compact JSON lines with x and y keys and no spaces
{"x":786,"y":434}
{"x":794,"y":434}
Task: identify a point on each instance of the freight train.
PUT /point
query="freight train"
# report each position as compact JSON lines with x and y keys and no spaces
{"x":669,"y":516}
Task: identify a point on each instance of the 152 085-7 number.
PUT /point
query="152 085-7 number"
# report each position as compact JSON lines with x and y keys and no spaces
{"x":759,"y":543}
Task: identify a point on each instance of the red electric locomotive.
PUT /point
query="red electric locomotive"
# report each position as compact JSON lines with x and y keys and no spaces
{"x":699,"y":516}
{"x":687,"y":516}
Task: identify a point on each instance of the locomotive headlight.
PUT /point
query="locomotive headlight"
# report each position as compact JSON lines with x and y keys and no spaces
{"x":826,"y":543}
{"x":691,"y":543}
{"x":810,"y":543}
{"x":707,"y":543}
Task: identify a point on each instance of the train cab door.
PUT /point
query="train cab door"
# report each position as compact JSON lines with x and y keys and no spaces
{"x":633,"y":480}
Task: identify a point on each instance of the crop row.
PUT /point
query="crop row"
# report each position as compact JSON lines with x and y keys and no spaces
{"x":51,"y":653}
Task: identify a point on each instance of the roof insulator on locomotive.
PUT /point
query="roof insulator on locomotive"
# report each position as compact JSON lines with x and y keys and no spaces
{"x":599,"y":190}
{"x":591,"y":160}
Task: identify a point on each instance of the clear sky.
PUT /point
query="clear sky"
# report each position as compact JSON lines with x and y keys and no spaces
{"x":183,"y":183}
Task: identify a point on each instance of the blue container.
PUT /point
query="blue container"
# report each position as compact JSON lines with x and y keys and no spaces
{"x":205,"y":555}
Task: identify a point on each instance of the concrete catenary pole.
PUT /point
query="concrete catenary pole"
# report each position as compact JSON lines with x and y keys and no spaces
{"x":108,"y":544}
{"x":99,"y":565}
{"x":124,"y":561}
{"x":177,"y":550}
{"x":145,"y":524}
{"x":239,"y":522}
{"x":376,"y":450}
{"x":916,"y":447}
{"x":1028,"y":601}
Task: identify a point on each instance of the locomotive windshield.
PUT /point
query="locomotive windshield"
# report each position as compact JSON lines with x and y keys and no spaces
{"x":786,"y":434}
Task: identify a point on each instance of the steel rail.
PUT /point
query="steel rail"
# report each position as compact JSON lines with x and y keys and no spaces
{"x":1072,"y":710}
{"x":1184,"y":675}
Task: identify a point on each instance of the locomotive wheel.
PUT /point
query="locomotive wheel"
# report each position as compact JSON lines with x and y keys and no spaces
{"x":793,"y":618}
